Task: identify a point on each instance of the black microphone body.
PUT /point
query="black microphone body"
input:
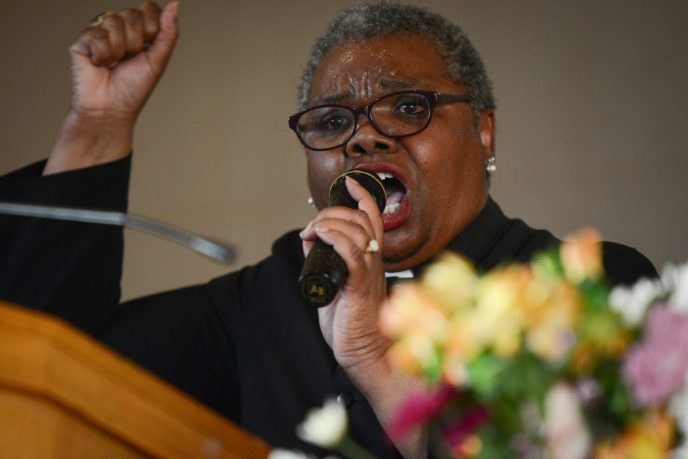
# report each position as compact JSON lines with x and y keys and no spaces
{"x":324,"y":271}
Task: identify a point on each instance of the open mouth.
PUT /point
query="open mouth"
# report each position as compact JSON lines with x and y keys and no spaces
{"x":395,"y":191}
{"x":398,"y":197}
{"x":396,"y":209}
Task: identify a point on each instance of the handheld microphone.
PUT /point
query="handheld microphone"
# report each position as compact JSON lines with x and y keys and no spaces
{"x":324,"y":271}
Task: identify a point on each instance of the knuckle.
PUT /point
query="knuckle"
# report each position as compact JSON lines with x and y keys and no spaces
{"x":131,"y":15}
{"x":356,"y":254}
{"x":150,"y":7}
{"x":93,"y":33}
{"x":113,"y":22}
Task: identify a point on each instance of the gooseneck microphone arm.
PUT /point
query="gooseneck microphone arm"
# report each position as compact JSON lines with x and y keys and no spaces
{"x":324,"y":271}
{"x":216,"y":250}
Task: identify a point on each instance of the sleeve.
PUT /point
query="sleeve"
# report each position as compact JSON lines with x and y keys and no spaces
{"x":72,"y":270}
{"x":625,"y":265}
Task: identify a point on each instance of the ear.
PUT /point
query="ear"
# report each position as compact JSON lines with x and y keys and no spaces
{"x":487,"y":130}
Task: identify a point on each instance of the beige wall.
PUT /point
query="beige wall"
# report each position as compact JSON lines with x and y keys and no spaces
{"x":592,"y":118}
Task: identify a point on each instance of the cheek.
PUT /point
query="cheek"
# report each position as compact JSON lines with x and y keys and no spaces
{"x":450,"y":162}
{"x":323,"y":168}
{"x":442,"y":154}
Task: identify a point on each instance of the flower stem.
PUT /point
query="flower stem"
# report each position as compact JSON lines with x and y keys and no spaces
{"x":353,"y":450}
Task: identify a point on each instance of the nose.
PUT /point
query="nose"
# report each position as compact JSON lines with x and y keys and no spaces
{"x":368,"y":140}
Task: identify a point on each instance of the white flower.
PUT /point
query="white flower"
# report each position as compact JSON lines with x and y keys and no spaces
{"x":678,"y":408}
{"x":326,"y":426}
{"x":567,"y":435}
{"x":632,"y":302}
{"x":680,"y":452}
{"x":287,"y":454}
{"x":675,"y":278}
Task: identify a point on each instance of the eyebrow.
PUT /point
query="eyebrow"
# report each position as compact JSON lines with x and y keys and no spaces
{"x":384,"y":84}
{"x":332,"y":99}
{"x":396,"y":84}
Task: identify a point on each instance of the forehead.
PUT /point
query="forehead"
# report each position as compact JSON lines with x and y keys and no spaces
{"x":359,"y":70}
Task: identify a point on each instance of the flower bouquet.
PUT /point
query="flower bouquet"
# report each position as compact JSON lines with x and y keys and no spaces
{"x":543,"y":360}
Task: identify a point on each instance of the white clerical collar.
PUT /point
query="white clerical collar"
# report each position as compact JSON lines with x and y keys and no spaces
{"x":405,"y":274}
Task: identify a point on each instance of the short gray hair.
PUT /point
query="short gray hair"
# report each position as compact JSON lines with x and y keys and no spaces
{"x":370,"y":20}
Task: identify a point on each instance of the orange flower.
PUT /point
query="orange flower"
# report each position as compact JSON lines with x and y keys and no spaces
{"x":418,"y":325}
{"x":599,"y":335}
{"x":500,"y":307}
{"x":550,"y":333}
{"x":649,"y":438}
{"x":408,"y":354}
{"x":581,"y":256}
{"x":463,"y":341}
{"x":411,"y":310}
{"x":451,"y":281}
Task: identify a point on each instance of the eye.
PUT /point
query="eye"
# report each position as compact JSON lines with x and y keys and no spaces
{"x":335,"y":121}
{"x":326,"y":120}
{"x":411,"y":104}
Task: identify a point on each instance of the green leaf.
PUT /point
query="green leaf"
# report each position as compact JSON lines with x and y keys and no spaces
{"x":527,"y":377}
{"x":484,"y":374}
{"x":432,"y":368}
{"x":548,"y":263}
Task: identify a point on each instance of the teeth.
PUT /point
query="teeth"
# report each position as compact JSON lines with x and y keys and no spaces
{"x":391,"y":209}
{"x":385,"y":175}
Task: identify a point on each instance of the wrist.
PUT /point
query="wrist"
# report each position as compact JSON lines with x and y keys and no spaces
{"x":387,"y":389}
{"x":378,"y":380}
{"x":367,"y":365}
{"x":90,"y":139}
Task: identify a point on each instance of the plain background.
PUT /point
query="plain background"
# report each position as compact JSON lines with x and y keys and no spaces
{"x":592,"y":119}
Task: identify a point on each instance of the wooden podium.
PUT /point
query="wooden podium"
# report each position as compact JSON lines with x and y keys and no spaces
{"x":64,"y":395}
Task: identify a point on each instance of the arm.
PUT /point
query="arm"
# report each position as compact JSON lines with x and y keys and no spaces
{"x":115,"y":67}
{"x":72,"y":269}
{"x":350,"y":323}
{"x":64,"y":268}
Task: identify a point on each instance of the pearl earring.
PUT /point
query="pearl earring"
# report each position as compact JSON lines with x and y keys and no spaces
{"x":491,"y":166}
{"x":311,"y":202}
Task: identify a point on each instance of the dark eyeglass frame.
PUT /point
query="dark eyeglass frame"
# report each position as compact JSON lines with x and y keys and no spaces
{"x":433,"y":98}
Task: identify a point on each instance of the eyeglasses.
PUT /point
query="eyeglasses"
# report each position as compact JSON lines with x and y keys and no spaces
{"x":398,"y":114}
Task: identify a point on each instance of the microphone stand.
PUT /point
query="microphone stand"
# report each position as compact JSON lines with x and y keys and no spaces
{"x":218,"y":251}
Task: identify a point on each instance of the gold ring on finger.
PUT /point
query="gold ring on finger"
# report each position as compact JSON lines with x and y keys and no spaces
{"x":98,"y":20}
{"x":373,"y":246}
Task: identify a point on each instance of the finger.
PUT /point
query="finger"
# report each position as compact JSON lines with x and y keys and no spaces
{"x":162,"y":46}
{"x":94,"y":44}
{"x":308,"y":238}
{"x":367,"y":204}
{"x":344,"y":215}
{"x":151,"y":20}
{"x":307,"y":246}
{"x":358,"y":235}
{"x":133,"y":26}
{"x":114,"y":25}
{"x":366,"y":273}
{"x":351,"y":253}
{"x":307,"y":234}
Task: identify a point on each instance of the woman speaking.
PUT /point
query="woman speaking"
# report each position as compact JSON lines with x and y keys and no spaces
{"x":392,"y":89}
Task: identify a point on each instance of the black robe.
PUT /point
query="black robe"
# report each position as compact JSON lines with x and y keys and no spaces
{"x":244,"y":343}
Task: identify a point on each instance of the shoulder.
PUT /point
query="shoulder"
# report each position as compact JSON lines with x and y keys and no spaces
{"x":274,"y":274}
{"x":286,"y":253}
{"x":625,"y":265}
{"x":622,"y":264}
{"x":515,"y":240}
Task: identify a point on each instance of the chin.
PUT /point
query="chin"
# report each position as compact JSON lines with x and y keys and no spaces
{"x":399,"y":256}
